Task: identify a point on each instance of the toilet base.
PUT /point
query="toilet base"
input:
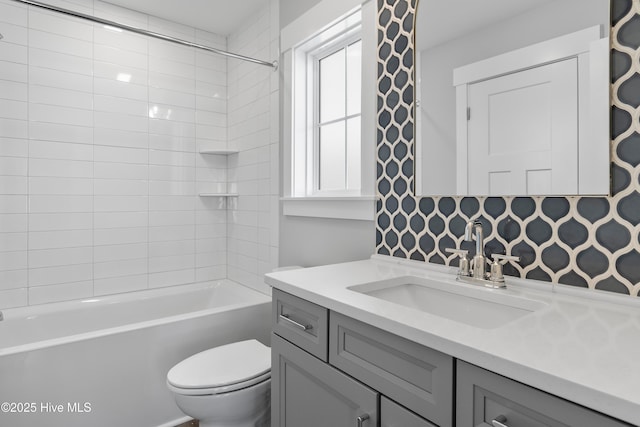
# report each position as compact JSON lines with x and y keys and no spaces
{"x":249,"y":407}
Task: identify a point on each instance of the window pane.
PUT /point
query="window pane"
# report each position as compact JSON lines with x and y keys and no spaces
{"x":332,"y":86}
{"x":331,"y":157}
{"x":353,"y":154}
{"x":354,"y":77}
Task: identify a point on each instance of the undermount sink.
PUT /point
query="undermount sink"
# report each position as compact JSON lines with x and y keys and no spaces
{"x":482,"y":308}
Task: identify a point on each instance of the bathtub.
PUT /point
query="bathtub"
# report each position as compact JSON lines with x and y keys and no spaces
{"x":103,"y":361}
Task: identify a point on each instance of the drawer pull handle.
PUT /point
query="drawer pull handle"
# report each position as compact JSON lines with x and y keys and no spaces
{"x":361,"y":419}
{"x":499,"y":421}
{"x":294,"y":323}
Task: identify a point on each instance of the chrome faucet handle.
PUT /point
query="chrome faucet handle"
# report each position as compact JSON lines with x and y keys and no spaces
{"x":495,"y":274}
{"x":463,"y":265}
{"x":456,"y":251}
{"x":500,"y":257}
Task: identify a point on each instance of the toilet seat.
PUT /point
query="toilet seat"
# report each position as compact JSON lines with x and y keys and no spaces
{"x":218,"y":390}
{"x":222,"y":369}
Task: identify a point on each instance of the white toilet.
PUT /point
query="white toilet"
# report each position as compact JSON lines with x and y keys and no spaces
{"x":226,"y":386}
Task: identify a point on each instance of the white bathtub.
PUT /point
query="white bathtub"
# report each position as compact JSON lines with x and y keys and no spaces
{"x":103,"y":361}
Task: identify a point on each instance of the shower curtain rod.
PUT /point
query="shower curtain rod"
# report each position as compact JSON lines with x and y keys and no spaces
{"x":136,"y":30}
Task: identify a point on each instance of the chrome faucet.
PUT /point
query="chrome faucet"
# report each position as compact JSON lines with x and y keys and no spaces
{"x":478,"y":263}
{"x":475,"y":272}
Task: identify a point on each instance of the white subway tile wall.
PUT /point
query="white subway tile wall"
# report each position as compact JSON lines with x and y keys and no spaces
{"x":253,"y":117}
{"x":100,"y":170}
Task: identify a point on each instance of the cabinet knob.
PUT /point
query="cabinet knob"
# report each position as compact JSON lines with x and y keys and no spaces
{"x":499,"y":421}
{"x":361,"y":419}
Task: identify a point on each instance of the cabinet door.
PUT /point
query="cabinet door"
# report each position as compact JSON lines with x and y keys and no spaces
{"x":418,"y":377}
{"x":394,"y":415}
{"x":485,"y":399}
{"x":306,"y":392}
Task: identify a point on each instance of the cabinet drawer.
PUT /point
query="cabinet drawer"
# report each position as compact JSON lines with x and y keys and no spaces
{"x":483,"y":396}
{"x":303,"y":323}
{"x":419,"y":377}
{"x":394,"y":415}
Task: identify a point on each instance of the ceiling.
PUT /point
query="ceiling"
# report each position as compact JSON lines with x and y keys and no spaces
{"x":447,"y":20}
{"x":217,"y":16}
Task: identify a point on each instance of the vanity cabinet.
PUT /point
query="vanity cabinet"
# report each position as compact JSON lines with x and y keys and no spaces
{"x":331,"y":370}
{"x":365,"y":372}
{"x":486,"y":399}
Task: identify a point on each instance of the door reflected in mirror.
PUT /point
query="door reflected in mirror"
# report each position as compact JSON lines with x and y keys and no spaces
{"x":512,"y":97}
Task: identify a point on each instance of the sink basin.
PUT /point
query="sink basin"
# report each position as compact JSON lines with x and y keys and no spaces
{"x":480,"y":307}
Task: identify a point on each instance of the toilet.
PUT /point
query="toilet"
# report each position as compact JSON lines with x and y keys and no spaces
{"x":226,"y":386}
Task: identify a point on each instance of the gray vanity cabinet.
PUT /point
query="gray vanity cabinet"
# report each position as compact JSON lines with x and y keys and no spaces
{"x":307,"y":392}
{"x":486,"y":399}
{"x":330,"y":370}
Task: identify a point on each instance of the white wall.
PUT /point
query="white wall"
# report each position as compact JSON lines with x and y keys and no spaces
{"x":254,"y":130}
{"x":308,"y":241}
{"x":99,"y":178}
{"x":291,"y":9}
{"x":319,"y":241}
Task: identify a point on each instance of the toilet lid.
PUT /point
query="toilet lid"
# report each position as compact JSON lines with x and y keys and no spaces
{"x":221,"y":367}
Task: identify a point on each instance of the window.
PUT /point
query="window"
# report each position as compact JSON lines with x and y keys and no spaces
{"x":336,"y":136}
{"x":329,"y":137}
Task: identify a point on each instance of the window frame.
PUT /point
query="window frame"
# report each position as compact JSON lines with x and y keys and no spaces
{"x":322,"y":23}
{"x":340,"y":42}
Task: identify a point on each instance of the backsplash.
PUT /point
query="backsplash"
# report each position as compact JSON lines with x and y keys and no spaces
{"x":589,"y":242}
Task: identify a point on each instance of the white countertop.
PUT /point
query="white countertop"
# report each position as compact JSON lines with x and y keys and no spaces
{"x":583,"y":346}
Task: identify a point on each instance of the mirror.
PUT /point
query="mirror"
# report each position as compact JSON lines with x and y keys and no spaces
{"x":512,"y":97}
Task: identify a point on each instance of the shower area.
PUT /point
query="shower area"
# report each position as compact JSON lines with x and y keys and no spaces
{"x":131,"y":162}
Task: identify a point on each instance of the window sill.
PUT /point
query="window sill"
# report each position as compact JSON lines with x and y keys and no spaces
{"x":360,"y":208}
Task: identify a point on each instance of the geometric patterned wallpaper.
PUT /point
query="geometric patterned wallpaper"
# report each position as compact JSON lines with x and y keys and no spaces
{"x":590,"y":242}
